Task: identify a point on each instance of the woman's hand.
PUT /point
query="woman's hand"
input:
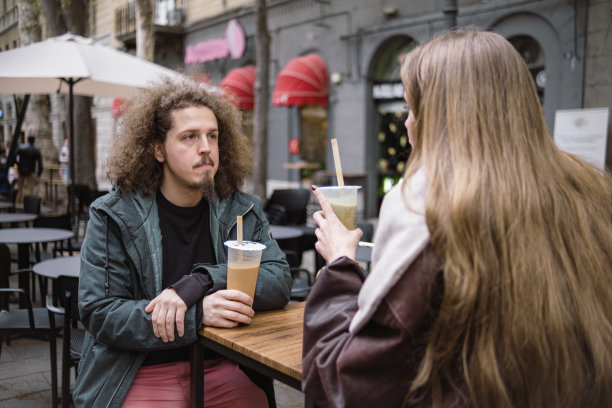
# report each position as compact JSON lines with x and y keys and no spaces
{"x":334,"y":240}
{"x":227,"y":308}
{"x":168,"y":309}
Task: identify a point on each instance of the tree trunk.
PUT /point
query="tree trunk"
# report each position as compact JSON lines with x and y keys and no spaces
{"x":62,"y":16}
{"x":262,"y":96}
{"x":36,"y":121}
{"x":145,"y":39}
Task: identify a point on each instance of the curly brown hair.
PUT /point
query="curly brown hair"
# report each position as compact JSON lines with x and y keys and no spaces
{"x":147,"y":119}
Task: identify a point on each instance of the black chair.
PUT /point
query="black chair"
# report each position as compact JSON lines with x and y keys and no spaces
{"x":31,"y":322}
{"x":73,"y":336}
{"x":83,"y":196}
{"x":6,"y":272}
{"x":44,"y":251}
{"x":302,"y":278}
{"x":31,"y":204}
{"x":58,"y":248}
{"x":288,"y":205}
{"x":12,"y":198}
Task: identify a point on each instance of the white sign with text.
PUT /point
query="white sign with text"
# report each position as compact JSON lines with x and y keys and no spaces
{"x":584,"y":133}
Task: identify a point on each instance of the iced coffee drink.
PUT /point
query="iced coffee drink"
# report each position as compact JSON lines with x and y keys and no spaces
{"x":344,"y":203}
{"x":243,"y":265}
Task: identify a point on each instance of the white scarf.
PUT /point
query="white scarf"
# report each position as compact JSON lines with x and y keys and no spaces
{"x":400,"y":237}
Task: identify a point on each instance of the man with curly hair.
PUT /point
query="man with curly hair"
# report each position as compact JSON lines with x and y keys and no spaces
{"x":153,"y":262}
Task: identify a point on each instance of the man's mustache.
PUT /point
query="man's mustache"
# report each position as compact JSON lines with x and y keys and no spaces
{"x":205,"y":160}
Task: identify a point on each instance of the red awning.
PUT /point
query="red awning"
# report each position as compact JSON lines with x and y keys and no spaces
{"x":303,"y":81}
{"x":240,"y":83}
{"x":118,"y":107}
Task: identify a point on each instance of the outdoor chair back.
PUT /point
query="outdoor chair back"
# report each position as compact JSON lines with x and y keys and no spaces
{"x":31,"y":204}
{"x":288,"y":206}
{"x":31,"y":322}
{"x":73,"y":335}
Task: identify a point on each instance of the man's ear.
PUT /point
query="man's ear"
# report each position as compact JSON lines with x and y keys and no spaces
{"x":159,"y":152}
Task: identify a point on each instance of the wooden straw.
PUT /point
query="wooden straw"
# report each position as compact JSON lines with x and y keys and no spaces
{"x":334,"y":143}
{"x":239,"y":224}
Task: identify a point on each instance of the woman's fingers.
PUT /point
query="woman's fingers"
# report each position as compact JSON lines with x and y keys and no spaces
{"x":325,"y":205}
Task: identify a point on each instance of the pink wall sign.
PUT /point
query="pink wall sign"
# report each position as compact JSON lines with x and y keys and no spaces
{"x":233,"y":44}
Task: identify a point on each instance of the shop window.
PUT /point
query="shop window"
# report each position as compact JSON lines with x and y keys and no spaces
{"x":388,"y":94}
{"x":313,"y":137}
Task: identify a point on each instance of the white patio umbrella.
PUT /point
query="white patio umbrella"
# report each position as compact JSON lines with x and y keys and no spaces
{"x":75,"y":65}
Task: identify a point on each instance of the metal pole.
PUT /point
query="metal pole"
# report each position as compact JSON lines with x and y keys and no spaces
{"x":71,"y":83}
{"x":450,"y":14}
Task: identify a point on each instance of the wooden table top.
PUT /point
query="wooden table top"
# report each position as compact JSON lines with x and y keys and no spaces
{"x":273,"y":338}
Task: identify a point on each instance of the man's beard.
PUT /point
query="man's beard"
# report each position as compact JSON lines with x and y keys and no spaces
{"x":206,"y":187}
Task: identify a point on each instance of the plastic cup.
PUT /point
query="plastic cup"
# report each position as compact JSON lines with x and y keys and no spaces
{"x":243,"y":265}
{"x":344,"y":203}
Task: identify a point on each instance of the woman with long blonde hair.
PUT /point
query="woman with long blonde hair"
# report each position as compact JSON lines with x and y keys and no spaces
{"x":492,"y":265}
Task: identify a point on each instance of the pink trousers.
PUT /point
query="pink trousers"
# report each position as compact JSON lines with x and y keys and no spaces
{"x":167,"y":386}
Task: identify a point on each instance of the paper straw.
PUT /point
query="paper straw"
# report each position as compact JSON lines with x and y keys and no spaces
{"x":334,"y":143}
{"x":239,"y":225}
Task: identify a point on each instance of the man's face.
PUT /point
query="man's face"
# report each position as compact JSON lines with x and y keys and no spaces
{"x":190,"y":153}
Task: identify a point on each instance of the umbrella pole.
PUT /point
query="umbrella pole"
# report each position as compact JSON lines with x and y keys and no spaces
{"x":71,"y":109}
{"x":71,"y":82}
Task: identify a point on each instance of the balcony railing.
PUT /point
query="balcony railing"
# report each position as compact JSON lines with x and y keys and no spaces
{"x":165,"y":15}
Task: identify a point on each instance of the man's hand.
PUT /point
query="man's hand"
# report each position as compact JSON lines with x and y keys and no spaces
{"x":227,"y":308}
{"x":168,"y":309}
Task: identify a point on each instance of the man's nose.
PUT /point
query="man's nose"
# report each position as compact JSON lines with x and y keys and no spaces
{"x":203,"y":144}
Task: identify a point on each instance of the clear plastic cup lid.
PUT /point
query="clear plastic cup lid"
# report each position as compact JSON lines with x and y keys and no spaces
{"x":246,"y":245}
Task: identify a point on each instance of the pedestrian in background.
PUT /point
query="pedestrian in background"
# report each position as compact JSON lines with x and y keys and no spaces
{"x":492,"y":267}
{"x":29,"y":167}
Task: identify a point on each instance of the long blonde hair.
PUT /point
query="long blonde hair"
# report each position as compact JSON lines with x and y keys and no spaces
{"x":523,"y":231}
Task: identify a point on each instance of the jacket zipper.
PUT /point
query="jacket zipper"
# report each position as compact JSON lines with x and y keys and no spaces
{"x":119,"y":385}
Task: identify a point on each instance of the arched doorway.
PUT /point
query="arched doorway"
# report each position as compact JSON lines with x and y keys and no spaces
{"x":533,"y":54}
{"x":389,"y":144}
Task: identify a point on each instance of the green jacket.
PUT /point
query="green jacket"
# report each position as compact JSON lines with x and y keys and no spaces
{"x":119,"y":332}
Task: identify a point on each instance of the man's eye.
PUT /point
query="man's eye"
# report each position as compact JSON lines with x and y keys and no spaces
{"x":188,"y":136}
{"x":212,"y":136}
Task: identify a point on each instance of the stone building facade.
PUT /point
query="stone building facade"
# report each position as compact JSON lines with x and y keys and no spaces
{"x":565,"y":44}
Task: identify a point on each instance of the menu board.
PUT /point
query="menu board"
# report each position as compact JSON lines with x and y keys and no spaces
{"x":584,"y":133}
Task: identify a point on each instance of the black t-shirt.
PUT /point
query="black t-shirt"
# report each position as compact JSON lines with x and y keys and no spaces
{"x":185,"y":242}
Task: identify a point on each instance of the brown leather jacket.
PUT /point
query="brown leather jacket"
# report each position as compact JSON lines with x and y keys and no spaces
{"x":375,"y":366}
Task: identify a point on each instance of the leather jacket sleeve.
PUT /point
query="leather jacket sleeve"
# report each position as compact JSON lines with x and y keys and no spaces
{"x":375,"y":366}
